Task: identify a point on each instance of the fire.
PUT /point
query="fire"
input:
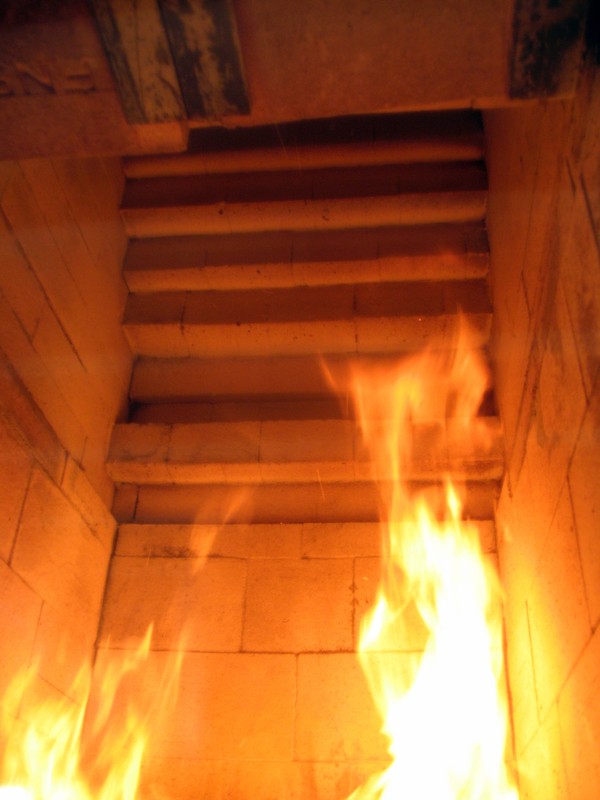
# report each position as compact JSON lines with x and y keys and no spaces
{"x":444,"y":710}
{"x":67,"y":750}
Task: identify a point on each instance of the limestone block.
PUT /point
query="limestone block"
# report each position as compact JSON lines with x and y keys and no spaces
{"x":408,"y":633}
{"x":84,"y":497}
{"x":335,"y":716}
{"x":227,"y":540}
{"x":340,"y":539}
{"x":298,"y":605}
{"x":558,"y":616}
{"x":541,"y":766}
{"x":579,"y":715}
{"x":229,"y":705}
{"x":57,"y":553}
{"x":15,"y":469}
{"x":195,"y":603}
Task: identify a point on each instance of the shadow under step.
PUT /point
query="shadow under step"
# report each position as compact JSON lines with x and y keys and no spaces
{"x":279,"y":503}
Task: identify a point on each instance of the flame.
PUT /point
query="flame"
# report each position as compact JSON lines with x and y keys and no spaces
{"x":444,"y":710}
{"x":94,"y":749}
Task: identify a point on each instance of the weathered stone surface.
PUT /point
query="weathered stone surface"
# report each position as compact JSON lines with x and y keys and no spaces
{"x":194,"y":603}
{"x":56,"y":552}
{"x":302,"y":605}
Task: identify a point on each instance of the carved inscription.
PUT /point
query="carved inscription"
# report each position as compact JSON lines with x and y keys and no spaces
{"x":52,"y":76}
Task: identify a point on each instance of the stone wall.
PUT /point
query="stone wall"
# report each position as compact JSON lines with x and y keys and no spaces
{"x":64,"y":371}
{"x":544,"y":229}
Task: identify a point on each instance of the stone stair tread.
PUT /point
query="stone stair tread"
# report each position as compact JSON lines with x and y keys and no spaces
{"x":272,"y":451}
{"x":285,"y":259}
{"x":417,"y":208}
{"x":455,"y":135}
{"x":336,"y":319}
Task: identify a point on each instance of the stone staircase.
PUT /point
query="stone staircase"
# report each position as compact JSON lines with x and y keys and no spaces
{"x":249,"y":263}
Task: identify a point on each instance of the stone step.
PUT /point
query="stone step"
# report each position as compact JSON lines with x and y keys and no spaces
{"x":253,"y":380}
{"x":284,"y":451}
{"x":299,"y":201}
{"x":276,"y":503}
{"x":288,"y":540}
{"x":382,"y":139}
{"x":306,"y":258}
{"x":367,"y":318}
{"x":301,"y":215}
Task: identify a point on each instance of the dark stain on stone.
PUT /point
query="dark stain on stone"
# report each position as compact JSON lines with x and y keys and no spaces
{"x":547,"y":46}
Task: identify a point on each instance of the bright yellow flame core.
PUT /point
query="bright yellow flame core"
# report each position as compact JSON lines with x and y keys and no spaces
{"x":87,"y":750}
{"x":443,"y":709}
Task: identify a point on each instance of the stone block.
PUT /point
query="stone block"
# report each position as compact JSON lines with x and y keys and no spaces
{"x":143,"y":448}
{"x":541,"y":766}
{"x":543,"y":248}
{"x":15,"y":470}
{"x":36,"y":377}
{"x":584,"y":478}
{"x":580,"y":277}
{"x":335,"y":245}
{"x":521,"y":535}
{"x":187,"y":779}
{"x":18,"y":282}
{"x":229,"y":706}
{"x":20,"y":611}
{"x":194,"y":378}
{"x":270,"y":503}
{"x":152,"y":323}
{"x":524,"y":705}
{"x":511,"y":346}
{"x":125,"y":502}
{"x":57,"y":553}
{"x":340,"y":539}
{"x":226,"y":442}
{"x":219,"y":451}
{"x":195,"y":603}
{"x":559,"y":622}
{"x":335,"y":715}
{"x":64,"y":645}
{"x":23,"y":414}
{"x":408,"y":633}
{"x":200,"y":541}
{"x":560,"y":398}
{"x":579,"y":715}
{"x":307,"y":450}
{"x":298,"y":605}
{"x":512,"y":159}
{"x":84,"y":497}
{"x":538,"y":491}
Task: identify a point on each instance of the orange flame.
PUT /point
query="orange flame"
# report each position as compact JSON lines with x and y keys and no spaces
{"x":67,"y":750}
{"x":444,"y":709}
